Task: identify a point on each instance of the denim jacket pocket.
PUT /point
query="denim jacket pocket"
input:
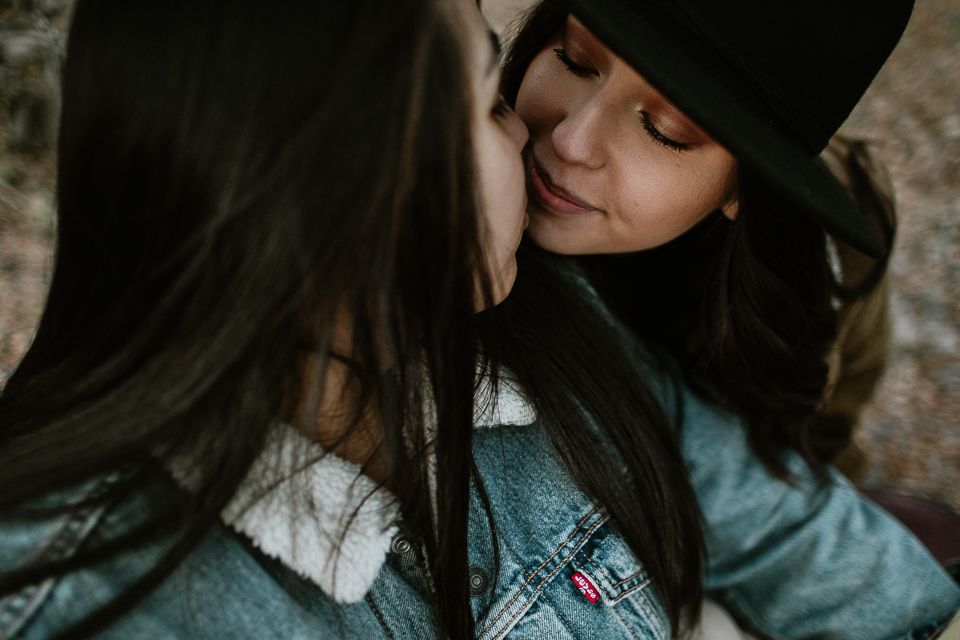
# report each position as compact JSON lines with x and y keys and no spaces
{"x":622,"y":584}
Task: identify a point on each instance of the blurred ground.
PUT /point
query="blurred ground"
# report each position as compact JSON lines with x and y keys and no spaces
{"x":31,"y":46}
{"x":912,"y":114}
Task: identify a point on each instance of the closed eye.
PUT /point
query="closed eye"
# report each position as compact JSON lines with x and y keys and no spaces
{"x":658,"y":137}
{"x":501,"y":108}
{"x":574,"y":68}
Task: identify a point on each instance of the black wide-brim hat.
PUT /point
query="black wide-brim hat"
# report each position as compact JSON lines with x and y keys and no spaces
{"x":771,"y":80}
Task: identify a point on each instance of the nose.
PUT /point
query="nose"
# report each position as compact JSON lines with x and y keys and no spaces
{"x":578,"y":138}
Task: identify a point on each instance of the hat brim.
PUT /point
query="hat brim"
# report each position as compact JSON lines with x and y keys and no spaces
{"x":694,"y":77}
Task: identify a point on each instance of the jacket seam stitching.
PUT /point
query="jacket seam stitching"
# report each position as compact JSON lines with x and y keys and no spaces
{"x":545,"y":579}
{"x":614,"y":599}
{"x":542,"y":565}
{"x":376,"y":612}
{"x":517,"y":560}
{"x":560,"y":615}
{"x":625,"y":623}
{"x":60,"y":545}
{"x":590,"y":560}
{"x":653,"y":618}
{"x":631,"y":590}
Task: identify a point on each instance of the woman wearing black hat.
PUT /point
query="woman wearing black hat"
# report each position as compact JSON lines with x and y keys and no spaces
{"x":685,"y":136}
{"x":286,"y":207}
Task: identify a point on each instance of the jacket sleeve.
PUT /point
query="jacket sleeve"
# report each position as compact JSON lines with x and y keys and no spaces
{"x":810,"y":558}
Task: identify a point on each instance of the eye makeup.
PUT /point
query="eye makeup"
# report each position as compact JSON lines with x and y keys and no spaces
{"x":578,"y":70}
{"x":663,"y":122}
{"x":659,"y":137}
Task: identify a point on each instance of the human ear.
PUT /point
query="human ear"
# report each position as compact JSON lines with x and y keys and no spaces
{"x":731,"y":208}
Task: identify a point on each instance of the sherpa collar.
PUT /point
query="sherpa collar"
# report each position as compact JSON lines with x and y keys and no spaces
{"x":346,"y":507}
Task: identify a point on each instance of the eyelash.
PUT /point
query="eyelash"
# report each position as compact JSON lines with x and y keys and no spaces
{"x":652,"y":131}
{"x":501,"y":108}
{"x":573,"y":67}
{"x":658,"y":137}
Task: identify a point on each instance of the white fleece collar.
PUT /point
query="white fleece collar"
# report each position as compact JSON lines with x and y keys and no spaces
{"x":299,"y":518}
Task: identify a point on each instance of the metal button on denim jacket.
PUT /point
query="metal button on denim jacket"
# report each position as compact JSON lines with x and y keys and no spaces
{"x":812,"y":558}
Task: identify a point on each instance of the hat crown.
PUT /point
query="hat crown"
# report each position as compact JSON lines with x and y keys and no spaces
{"x":811,"y":61}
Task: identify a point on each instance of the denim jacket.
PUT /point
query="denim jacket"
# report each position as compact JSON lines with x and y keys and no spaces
{"x":811,"y":559}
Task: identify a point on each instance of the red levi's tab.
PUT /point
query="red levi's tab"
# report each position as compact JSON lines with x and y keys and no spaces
{"x":585,"y":587}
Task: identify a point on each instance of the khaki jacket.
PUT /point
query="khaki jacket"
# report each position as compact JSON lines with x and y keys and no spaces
{"x":859,"y":354}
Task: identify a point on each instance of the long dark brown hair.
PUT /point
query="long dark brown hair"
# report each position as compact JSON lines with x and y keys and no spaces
{"x":746,"y":306}
{"x":233,"y":176}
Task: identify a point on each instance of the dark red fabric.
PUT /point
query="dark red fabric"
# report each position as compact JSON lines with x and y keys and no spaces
{"x":936,"y":526}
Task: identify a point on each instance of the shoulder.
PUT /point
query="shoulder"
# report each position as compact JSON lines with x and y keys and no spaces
{"x":51,"y":527}
{"x":223,"y":587}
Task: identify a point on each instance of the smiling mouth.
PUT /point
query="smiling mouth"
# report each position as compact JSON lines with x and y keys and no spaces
{"x":551,"y":197}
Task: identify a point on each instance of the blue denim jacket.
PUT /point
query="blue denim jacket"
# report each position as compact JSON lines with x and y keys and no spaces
{"x":812,"y":559}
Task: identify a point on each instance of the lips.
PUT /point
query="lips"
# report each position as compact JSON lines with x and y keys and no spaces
{"x":550,"y":196}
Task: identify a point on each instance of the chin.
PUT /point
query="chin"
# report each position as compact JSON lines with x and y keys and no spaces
{"x":547,"y":235}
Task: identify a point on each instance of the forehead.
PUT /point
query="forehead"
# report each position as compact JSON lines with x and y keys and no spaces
{"x":478,"y":40}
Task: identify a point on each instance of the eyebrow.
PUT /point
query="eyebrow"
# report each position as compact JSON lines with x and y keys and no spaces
{"x":495,"y":58}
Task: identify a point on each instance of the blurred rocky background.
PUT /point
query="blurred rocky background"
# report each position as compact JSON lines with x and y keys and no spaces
{"x":911,"y":430}
{"x":31,"y":51}
{"x":912,"y":116}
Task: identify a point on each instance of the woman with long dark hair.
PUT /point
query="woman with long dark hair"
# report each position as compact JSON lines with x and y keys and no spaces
{"x":687,"y":170}
{"x":248,"y":410}
{"x":263,"y":207}
{"x":674,"y":147}
{"x":250,"y":407}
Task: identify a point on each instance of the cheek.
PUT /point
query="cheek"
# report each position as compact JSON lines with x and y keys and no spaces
{"x":503,"y":190}
{"x":540,"y":99}
{"x":658,"y":197}
{"x":654,"y":191}
{"x":503,"y":204}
